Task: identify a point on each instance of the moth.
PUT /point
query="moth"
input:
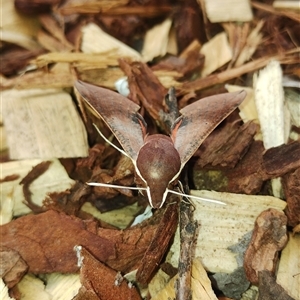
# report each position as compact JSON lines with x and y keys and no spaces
{"x":158,"y":159}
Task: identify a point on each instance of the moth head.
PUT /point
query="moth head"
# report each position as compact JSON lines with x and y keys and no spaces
{"x":158,"y":164}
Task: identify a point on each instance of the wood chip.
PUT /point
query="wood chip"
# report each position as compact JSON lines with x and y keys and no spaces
{"x":217,"y":53}
{"x":43,"y":124}
{"x":223,"y":226}
{"x":269,"y":99}
{"x":156,"y":41}
{"x":201,"y":285}
{"x":55,"y":179}
{"x":288,"y":275}
{"x":95,"y":40}
{"x":268,"y":238}
{"x":228,"y":11}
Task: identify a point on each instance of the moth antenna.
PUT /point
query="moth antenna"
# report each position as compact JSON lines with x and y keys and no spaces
{"x":115,"y":186}
{"x":109,"y":142}
{"x":196,"y":197}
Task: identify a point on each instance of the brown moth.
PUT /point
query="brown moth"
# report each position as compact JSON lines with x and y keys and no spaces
{"x":158,"y":159}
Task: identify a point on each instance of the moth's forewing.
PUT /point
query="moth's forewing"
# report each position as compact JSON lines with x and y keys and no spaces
{"x":119,"y":113}
{"x":199,"y":119}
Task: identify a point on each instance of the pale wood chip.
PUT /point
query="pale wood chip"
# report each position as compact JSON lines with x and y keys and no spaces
{"x":156,"y":41}
{"x":228,"y":10}
{"x":223,"y":226}
{"x":42,"y":124}
{"x":217,"y":53}
{"x":288,"y":275}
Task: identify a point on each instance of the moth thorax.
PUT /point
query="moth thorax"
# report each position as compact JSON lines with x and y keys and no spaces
{"x":158,"y":163}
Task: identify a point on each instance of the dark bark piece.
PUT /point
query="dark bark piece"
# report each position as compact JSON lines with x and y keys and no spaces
{"x":189,"y":61}
{"x":35,"y":6}
{"x":248,"y":176}
{"x":291,"y":187}
{"x":279,"y":160}
{"x":14,"y":59}
{"x":269,"y":237}
{"x":12,"y":266}
{"x":145,"y":88}
{"x":36,"y":172}
{"x":46,"y":241}
{"x":69,"y":201}
{"x":187,"y":21}
{"x":188,"y":229}
{"x":99,"y":281}
{"x":160,"y":243}
{"x":269,"y":289}
{"x":226,"y":145}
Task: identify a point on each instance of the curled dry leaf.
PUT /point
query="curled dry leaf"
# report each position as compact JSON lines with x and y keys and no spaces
{"x":269,"y":237}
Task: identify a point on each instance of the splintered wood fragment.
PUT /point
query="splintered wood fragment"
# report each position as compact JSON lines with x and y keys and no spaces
{"x":50,"y":43}
{"x":211,"y":80}
{"x":52,"y":26}
{"x":96,"y":7}
{"x":157,"y":249}
{"x":268,"y":238}
{"x":95,"y":40}
{"x":269,"y":99}
{"x":108,"y":287}
{"x":200,"y":285}
{"x":217,"y":53}
{"x":270,"y":9}
{"x":273,"y":115}
{"x":228,"y":11}
{"x":156,"y":41}
{"x":102,"y":60}
{"x":55,"y":179}
{"x":253,"y":40}
{"x":43,"y":123}
{"x":279,"y":4}
{"x":223,"y":226}
{"x":57,"y":77}
{"x":288,"y":274}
